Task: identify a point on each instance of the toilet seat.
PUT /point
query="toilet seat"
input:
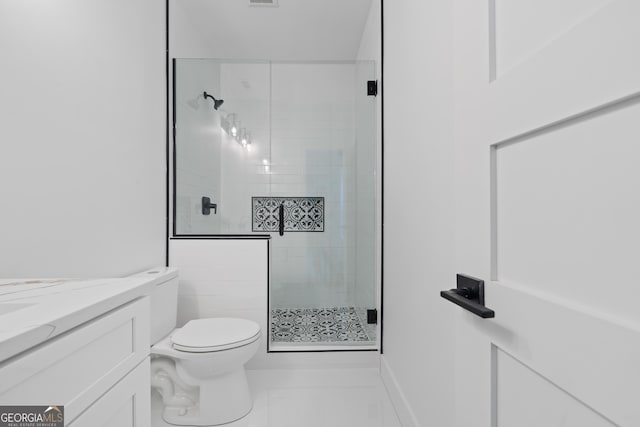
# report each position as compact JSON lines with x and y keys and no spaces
{"x":215,"y":334}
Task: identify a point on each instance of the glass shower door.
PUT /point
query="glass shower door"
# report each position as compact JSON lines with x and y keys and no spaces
{"x":322,"y":173}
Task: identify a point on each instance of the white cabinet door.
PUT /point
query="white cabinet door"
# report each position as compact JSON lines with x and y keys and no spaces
{"x":77,"y":367}
{"x":127,"y":404}
{"x":547,"y":130}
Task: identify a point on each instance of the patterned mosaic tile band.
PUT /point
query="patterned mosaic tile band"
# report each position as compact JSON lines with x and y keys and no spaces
{"x":335,"y":324}
{"x":300,"y":213}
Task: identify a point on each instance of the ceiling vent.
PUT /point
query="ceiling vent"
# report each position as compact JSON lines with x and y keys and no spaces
{"x":272,"y":3}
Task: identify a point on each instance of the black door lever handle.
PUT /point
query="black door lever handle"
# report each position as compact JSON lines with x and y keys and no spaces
{"x":469,"y":294}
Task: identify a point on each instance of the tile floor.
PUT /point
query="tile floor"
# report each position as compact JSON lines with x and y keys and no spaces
{"x":312,"y":398}
{"x":344,"y":325}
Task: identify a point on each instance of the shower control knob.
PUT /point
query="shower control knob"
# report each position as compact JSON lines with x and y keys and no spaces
{"x":207,"y":206}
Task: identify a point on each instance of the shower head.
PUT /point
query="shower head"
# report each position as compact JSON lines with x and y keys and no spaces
{"x":216,"y":102}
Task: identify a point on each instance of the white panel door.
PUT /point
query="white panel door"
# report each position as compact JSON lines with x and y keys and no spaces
{"x":547,"y":129}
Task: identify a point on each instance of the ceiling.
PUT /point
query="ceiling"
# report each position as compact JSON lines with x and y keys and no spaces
{"x":296,"y":30}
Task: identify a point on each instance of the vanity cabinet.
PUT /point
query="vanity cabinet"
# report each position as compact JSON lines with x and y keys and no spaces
{"x":125,"y":405}
{"x":98,"y":370}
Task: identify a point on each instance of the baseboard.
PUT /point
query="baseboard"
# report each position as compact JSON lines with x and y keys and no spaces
{"x":400,"y":403}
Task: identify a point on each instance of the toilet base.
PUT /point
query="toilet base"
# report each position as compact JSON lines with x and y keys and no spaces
{"x":222,"y":399}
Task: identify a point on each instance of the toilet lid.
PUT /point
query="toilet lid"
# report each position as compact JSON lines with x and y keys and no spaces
{"x":204,"y":335}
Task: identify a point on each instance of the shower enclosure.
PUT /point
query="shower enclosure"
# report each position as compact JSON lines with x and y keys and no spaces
{"x":289,"y":150}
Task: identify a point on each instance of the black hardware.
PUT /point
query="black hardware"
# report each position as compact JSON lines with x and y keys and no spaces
{"x":372,"y":317}
{"x":372,"y":88}
{"x":216,"y":102}
{"x":469,"y":294}
{"x":281,"y":219}
{"x":207,"y":206}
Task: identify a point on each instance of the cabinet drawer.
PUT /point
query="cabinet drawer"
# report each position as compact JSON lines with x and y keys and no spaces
{"x":125,"y":405}
{"x":76,"y":368}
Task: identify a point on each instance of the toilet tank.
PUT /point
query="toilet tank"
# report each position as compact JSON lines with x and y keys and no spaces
{"x":164,"y":301}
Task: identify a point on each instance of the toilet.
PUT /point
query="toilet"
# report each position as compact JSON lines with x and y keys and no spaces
{"x":199,"y":369}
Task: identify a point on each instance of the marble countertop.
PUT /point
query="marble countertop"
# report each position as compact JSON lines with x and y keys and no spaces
{"x":33,"y":311}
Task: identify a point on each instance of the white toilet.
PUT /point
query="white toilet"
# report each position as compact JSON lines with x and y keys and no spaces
{"x":199,"y":369}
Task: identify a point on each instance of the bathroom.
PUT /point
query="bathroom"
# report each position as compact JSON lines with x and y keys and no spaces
{"x":100,"y":193}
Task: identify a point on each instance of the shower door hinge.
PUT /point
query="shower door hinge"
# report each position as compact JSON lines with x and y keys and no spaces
{"x":372,"y":88}
{"x":372,"y":317}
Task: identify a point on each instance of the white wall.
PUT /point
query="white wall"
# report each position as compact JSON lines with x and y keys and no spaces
{"x":82,"y":168}
{"x":418,"y":215}
{"x":296,"y":30}
{"x":369,"y":48}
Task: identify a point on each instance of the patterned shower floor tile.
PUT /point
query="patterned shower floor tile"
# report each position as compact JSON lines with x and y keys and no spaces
{"x":333,"y":324}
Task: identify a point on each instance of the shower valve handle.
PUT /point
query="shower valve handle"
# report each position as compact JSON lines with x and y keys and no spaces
{"x":207,"y":206}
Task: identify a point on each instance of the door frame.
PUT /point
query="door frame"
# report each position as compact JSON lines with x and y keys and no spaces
{"x":170,"y":178}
